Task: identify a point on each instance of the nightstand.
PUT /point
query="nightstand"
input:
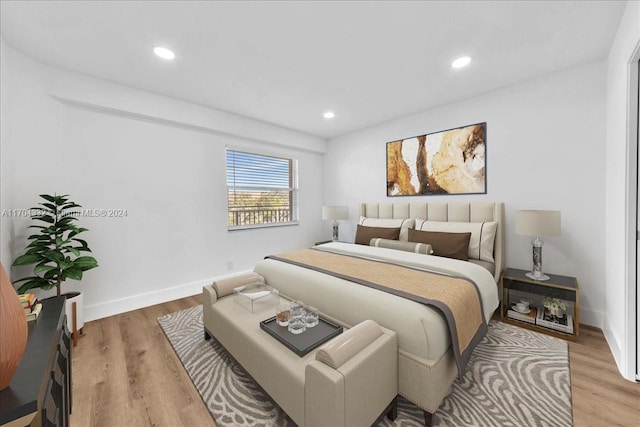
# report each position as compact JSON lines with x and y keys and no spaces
{"x":515,"y":286}
{"x":322,"y":242}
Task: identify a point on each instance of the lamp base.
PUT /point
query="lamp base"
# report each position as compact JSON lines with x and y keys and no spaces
{"x":335,"y":231}
{"x":541,"y":277}
{"x":536,"y":272}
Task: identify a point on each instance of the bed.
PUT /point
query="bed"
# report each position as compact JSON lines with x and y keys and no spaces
{"x":426,"y":364}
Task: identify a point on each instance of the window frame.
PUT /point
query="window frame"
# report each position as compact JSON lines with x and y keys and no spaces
{"x":293,"y":188}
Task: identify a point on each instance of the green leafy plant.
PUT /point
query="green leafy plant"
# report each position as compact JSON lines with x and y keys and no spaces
{"x":55,"y":250}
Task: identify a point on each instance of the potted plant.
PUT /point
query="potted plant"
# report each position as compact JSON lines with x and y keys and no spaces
{"x":56,"y":251}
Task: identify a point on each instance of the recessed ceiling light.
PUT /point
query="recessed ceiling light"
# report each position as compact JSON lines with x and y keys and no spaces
{"x":164,"y":53}
{"x":461,"y":62}
{"x":329,"y":115}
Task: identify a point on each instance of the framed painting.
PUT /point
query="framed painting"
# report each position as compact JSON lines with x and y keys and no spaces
{"x":447,"y":162}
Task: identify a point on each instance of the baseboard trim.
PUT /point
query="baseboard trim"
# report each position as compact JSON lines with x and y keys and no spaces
{"x":134,"y":302}
{"x":616,"y":351}
{"x":591,"y":318}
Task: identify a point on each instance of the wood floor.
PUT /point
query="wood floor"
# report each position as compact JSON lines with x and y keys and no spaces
{"x":125,"y":373}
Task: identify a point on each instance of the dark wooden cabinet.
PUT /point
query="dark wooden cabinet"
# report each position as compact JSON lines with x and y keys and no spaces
{"x":40,"y":390}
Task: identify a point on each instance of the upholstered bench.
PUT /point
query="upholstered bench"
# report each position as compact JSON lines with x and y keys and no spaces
{"x":352,"y":380}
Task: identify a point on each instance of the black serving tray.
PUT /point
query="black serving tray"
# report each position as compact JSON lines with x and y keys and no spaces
{"x":303,"y":343}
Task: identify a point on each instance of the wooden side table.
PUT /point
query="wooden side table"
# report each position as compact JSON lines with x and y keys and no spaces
{"x":514,"y":285}
{"x":42,"y":382}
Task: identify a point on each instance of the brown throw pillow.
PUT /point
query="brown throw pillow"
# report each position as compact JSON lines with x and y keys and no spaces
{"x":450,"y":245}
{"x":365,"y":234}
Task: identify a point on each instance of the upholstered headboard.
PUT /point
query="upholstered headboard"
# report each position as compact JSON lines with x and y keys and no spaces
{"x":447,"y":212}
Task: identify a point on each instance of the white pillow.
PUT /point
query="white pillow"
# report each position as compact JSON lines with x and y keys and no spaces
{"x":483,"y":235}
{"x":403,"y":224}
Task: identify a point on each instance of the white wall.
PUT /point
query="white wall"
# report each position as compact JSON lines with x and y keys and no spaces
{"x":620,"y":223}
{"x":545,"y":150}
{"x":161,"y":160}
{"x":6,"y":229}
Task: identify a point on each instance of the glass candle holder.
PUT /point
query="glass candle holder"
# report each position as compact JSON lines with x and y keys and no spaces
{"x":297,"y":309}
{"x":297,"y":325}
{"x":310,"y":316}
{"x":283,"y":314}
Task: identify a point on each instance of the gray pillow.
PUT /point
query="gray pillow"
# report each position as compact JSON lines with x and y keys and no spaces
{"x":419,"y":248}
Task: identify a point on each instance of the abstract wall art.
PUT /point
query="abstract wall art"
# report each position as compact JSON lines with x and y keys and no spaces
{"x":447,"y":162}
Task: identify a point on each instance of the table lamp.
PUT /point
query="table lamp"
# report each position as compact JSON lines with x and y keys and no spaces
{"x":538,"y":224}
{"x":335,"y":213}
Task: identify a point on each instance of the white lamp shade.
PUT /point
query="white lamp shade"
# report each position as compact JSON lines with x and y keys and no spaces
{"x":335,"y":212}
{"x":538,"y":223}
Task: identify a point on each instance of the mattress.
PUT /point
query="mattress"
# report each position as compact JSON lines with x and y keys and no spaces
{"x":422,"y":330}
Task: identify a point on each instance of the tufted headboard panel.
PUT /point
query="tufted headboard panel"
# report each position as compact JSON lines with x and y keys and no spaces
{"x":447,"y":212}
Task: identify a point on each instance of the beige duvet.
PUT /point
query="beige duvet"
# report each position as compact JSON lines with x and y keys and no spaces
{"x":422,"y":330}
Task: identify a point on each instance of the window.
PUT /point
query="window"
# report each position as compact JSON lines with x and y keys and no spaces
{"x":261,"y":190}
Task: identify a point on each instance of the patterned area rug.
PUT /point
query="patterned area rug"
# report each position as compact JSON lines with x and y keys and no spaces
{"x":515,"y":377}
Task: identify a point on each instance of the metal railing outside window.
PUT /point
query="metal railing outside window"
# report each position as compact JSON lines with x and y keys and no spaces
{"x":261,"y":190}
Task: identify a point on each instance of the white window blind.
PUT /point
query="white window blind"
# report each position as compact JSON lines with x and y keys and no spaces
{"x":261,"y":190}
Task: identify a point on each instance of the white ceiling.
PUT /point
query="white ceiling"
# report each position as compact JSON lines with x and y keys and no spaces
{"x":287,"y":62}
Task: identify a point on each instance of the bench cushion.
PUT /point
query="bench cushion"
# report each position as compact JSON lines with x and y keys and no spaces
{"x":348,"y":344}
